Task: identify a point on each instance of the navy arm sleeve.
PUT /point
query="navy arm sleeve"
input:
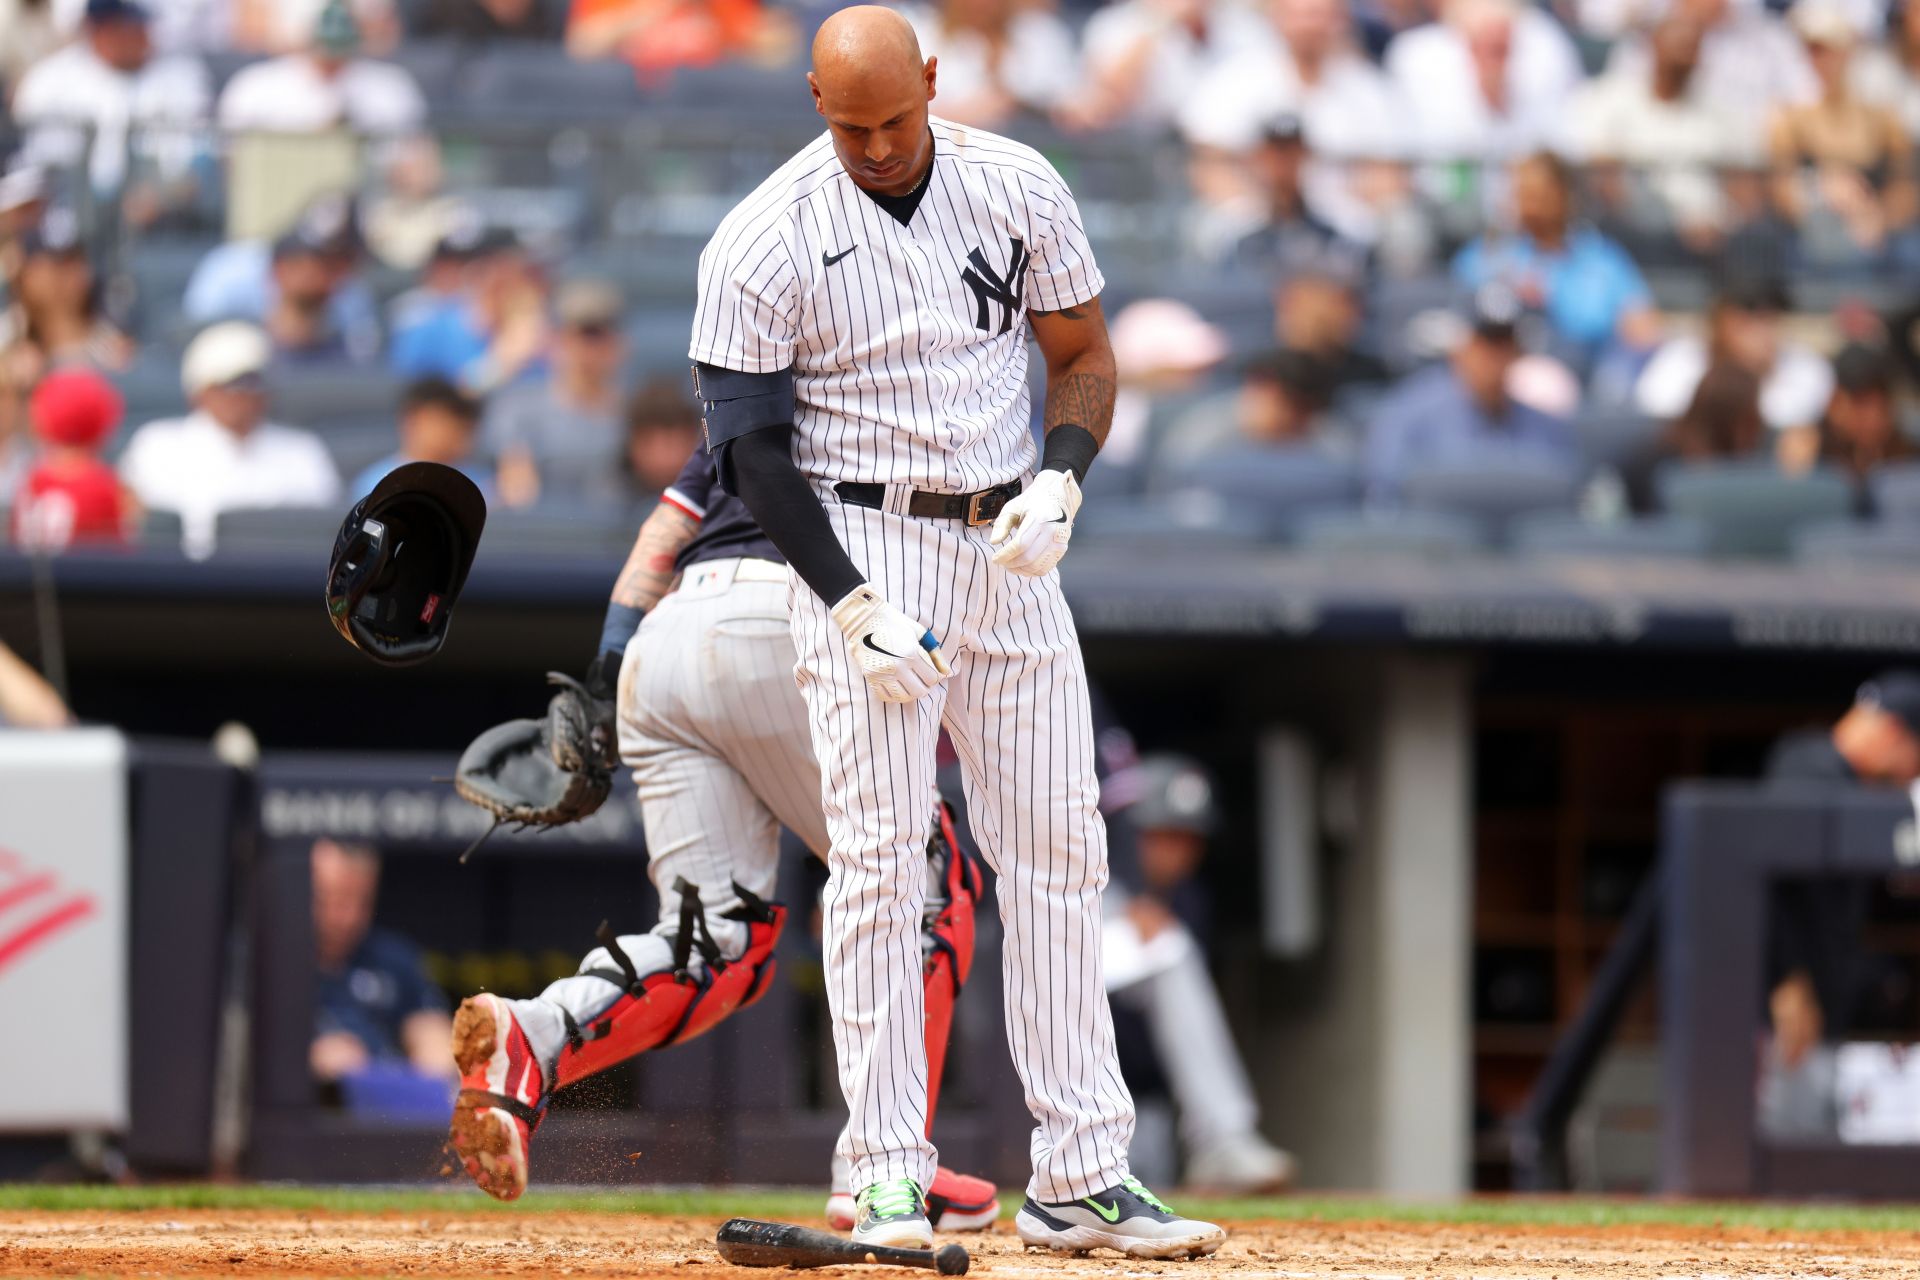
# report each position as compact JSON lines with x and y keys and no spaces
{"x":748,"y":419}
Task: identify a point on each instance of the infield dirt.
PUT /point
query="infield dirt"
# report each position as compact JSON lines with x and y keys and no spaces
{"x":281,"y":1243}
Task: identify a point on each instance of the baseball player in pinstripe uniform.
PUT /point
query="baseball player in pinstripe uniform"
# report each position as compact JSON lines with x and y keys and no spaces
{"x":715,"y":732}
{"x":860,"y":346}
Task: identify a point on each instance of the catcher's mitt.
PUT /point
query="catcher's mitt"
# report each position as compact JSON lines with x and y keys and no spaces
{"x":544,"y":773}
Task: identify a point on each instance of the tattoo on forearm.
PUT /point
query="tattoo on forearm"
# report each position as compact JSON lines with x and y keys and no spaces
{"x":1084,"y":399}
{"x":649,"y":570}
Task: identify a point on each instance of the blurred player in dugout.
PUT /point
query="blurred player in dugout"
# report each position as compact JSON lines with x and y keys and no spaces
{"x":378,"y":1017}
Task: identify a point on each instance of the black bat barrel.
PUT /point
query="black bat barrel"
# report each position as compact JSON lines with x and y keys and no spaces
{"x":746,"y":1242}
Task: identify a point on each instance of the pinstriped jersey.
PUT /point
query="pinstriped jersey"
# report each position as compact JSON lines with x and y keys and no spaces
{"x":908,"y":343}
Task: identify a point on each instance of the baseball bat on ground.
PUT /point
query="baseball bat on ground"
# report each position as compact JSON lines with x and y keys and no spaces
{"x":747,"y":1243}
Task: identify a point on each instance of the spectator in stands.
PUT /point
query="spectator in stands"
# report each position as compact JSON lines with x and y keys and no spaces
{"x":1281,"y":403}
{"x":306,"y":287}
{"x":1145,"y":59}
{"x":23,"y":204}
{"x":325,"y":85}
{"x":375,"y":1003}
{"x":1290,"y":234}
{"x":1169,"y":1017}
{"x":998,"y":58}
{"x":1307,"y":65}
{"x":658,"y":35}
{"x":1162,"y":350}
{"x":663,"y":429}
{"x":438,"y":423}
{"x":27,"y":701}
{"x":1490,"y":80}
{"x":29,"y":31}
{"x":1749,"y":64}
{"x":1460,"y":412}
{"x":491,"y":335}
{"x":286,"y":26}
{"x":561,"y":437}
{"x":1590,"y":292}
{"x":1722,"y":420}
{"x":225,"y":454}
{"x":84,"y":100}
{"x":1652,"y":117}
{"x":485,"y":21}
{"x":444,"y":275}
{"x":1743,"y":328}
{"x":54,"y":317}
{"x":1843,"y":167}
{"x":1861,"y":428}
{"x":1888,"y":72}
{"x":70,"y":494}
{"x":1321,"y":311}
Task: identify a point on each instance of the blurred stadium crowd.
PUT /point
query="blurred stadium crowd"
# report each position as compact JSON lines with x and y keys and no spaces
{"x":1632,"y":277}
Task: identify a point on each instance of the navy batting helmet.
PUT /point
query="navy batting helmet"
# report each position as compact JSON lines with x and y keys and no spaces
{"x":400,"y":560}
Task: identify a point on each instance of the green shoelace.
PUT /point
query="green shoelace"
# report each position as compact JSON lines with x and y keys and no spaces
{"x":891,"y":1199}
{"x":1134,"y":1185}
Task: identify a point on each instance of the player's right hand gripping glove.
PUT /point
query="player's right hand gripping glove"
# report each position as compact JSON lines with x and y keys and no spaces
{"x":900,"y":658}
{"x":1030,"y":535}
{"x":548,"y":772}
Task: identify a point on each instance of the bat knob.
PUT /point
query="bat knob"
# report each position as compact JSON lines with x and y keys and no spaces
{"x":951,"y":1260}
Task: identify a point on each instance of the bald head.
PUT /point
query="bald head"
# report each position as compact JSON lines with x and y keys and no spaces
{"x":872,"y":85}
{"x":866,"y":40}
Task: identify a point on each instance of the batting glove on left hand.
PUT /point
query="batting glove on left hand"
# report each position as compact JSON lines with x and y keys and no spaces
{"x":900,"y":658}
{"x":1033,"y":529}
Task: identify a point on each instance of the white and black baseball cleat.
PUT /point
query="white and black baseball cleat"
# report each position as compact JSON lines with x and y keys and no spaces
{"x":1127,"y":1218}
{"x":893,"y":1213}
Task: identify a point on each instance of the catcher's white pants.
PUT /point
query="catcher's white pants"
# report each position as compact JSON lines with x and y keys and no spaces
{"x":716,"y":736}
{"x":1016,"y":709}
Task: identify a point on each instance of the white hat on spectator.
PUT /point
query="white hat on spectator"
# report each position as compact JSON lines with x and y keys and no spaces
{"x":223,"y":353}
{"x":1822,"y":22}
{"x":1160,"y":335}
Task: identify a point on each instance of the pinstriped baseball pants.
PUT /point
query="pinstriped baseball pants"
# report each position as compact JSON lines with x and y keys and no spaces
{"x":717,"y":741}
{"x":1016,"y":709}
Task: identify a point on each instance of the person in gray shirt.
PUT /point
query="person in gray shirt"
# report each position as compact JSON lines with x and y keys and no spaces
{"x":562,"y":438}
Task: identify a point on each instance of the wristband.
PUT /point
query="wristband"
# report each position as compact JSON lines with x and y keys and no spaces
{"x":622,"y":621}
{"x":1069,"y":448}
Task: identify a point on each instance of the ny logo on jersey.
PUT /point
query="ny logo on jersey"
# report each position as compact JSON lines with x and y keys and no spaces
{"x":989,"y":287}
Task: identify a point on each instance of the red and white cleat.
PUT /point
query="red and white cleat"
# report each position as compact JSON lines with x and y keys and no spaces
{"x":502,"y":1096}
{"x":955,"y":1202}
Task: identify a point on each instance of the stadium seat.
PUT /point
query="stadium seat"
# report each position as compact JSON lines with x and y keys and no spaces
{"x":1189,"y":521}
{"x":1750,"y":508}
{"x":1493,"y":491}
{"x":159,"y":531}
{"x":1896,"y":492}
{"x":435,"y":66}
{"x":545,"y":531}
{"x":1427,"y":535}
{"x":1555,"y":535}
{"x":517,"y":81}
{"x":1620,"y":438}
{"x":1276,"y":486}
{"x":305,"y":394}
{"x":276,"y":530}
{"x":1841,"y":544}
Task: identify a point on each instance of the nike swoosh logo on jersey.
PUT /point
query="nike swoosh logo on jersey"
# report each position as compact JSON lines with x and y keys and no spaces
{"x":826,"y":261}
{"x":1111,"y":1214}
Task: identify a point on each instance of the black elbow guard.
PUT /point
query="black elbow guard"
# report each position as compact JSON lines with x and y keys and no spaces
{"x":734,"y":404}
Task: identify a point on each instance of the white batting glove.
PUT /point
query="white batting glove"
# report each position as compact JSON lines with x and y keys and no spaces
{"x":900,"y":658}
{"x":1032,"y":530}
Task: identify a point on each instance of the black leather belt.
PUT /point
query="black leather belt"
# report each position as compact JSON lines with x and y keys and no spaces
{"x":978,"y":507}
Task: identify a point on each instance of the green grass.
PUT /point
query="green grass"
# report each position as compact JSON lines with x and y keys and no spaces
{"x":804,"y":1206}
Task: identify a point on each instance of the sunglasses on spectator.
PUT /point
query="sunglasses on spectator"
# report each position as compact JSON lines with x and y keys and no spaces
{"x":592,"y":329}
{"x":246,"y":384}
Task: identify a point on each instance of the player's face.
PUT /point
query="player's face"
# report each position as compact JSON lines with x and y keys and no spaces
{"x":879,"y":126}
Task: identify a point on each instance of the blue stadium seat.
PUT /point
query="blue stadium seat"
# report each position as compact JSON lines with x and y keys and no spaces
{"x":1750,"y":508}
{"x":512,"y":81}
{"x":159,"y":531}
{"x":1493,"y":491}
{"x":1839,"y":544}
{"x":1190,"y":521}
{"x":1426,"y":535}
{"x":1555,"y":535}
{"x":275,"y":530}
{"x":1618,"y":438}
{"x":1276,"y":486}
{"x":563,"y":530}
{"x":1896,"y":492}
{"x":302,"y":395}
{"x":435,"y":66}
